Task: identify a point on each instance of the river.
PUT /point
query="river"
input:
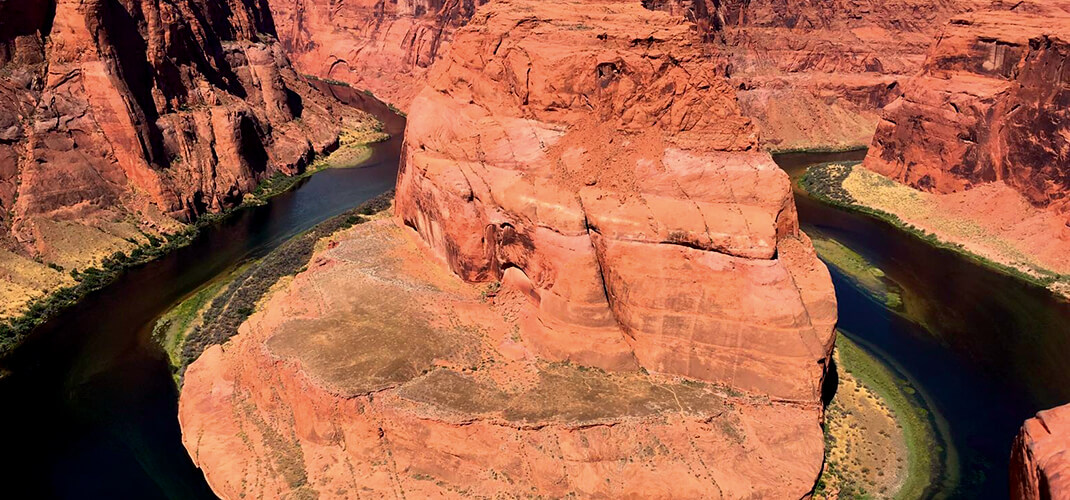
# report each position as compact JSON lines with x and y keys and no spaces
{"x":90,"y":408}
{"x":985,"y":350}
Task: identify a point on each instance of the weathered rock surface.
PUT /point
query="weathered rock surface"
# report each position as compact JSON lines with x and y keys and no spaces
{"x":990,"y":105}
{"x":595,"y":285}
{"x":598,"y":157}
{"x":131,"y":111}
{"x":404,"y":381}
{"x":1040,"y":460}
{"x":811,"y":74}
{"x":816,"y":74}
{"x":382,"y":46}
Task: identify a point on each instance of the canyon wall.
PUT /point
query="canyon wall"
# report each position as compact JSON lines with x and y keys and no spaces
{"x":1040,"y":460}
{"x":990,"y":104}
{"x":607,"y":165}
{"x":812,"y":75}
{"x":119,"y":116}
{"x":594,"y":284}
{"x":381,"y":46}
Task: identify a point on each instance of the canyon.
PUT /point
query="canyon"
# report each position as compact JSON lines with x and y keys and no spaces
{"x":122,"y":120}
{"x":587,"y":247}
{"x":593,"y":279}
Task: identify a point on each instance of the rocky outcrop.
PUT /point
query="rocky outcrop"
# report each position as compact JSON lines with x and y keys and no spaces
{"x":812,"y":75}
{"x":607,"y":167}
{"x":1040,"y":459}
{"x":989,"y":105}
{"x":131,"y":111}
{"x":816,"y":74}
{"x":382,"y":46}
{"x":406,"y":382}
{"x":595,"y":285}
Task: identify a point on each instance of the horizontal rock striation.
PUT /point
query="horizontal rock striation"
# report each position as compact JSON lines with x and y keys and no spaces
{"x":990,"y":104}
{"x":382,"y":46}
{"x":596,"y":159}
{"x":405,"y":382}
{"x":816,"y":74}
{"x":1040,"y":459}
{"x":136,"y":110}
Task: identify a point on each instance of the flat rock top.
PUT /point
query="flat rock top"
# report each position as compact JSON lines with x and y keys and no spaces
{"x":447,"y":347}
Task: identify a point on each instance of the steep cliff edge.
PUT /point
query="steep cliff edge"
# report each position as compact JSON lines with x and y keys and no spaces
{"x":594,"y":285}
{"x":119,"y":118}
{"x":812,"y":74}
{"x":385,"y":47}
{"x":1040,"y":460}
{"x":990,"y":104}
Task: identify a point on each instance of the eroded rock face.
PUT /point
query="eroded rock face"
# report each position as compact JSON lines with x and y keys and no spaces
{"x":990,"y":104}
{"x":816,"y":74}
{"x":1040,"y":460}
{"x":117,"y":109}
{"x":407,"y":382}
{"x":595,"y":159}
{"x":378,"y":45}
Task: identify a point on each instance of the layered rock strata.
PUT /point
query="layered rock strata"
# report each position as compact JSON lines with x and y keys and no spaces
{"x":131,"y":113}
{"x":610,"y":168}
{"x":381,"y":46}
{"x":1040,"y":460}
{"x":990,"y":105}
{"x":813,"y":75}
{"x":595,"y":285}
{"x":374,"y":374}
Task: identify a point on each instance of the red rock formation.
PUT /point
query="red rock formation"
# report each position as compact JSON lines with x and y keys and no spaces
{"x":813,"y":74}
{"x":137,"y":107}
{"x":990,"y":104}
{"x":404,"y":382}
{"x":378,"y":45}
{"x":816,"y":74}
{"x":598,"y":156}
{"x":1040,"y":460}
{"x":592,"y":164}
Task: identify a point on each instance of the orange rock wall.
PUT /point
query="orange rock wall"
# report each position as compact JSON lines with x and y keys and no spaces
{"x":990,"y":104}
{"x":1040,"y":460}
{"x":597,"y":157}
{"x":110,"y":107}
{"x":382,"y":46}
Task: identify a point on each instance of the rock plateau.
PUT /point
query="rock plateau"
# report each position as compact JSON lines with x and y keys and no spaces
{"x":594,"y":284}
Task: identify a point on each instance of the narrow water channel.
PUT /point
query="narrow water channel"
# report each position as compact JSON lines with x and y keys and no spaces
{"x":985,"y":350}
{"x":90,"y":409}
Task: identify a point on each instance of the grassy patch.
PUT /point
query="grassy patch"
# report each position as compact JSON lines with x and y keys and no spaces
{"x":236,"y":298}
{"x":14,"y":330}
{"x":916,"y":424}
{"x":824,"y":182}
{"x":818,"y":149}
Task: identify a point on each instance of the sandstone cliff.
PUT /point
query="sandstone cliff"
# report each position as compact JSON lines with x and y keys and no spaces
{"x":119,"y":117}
{"x":595,"y":285}
{"x":1040,"y":460}
{"x":811,"y":74}
{"x":990,"y":104}
{"x":382,"y":46}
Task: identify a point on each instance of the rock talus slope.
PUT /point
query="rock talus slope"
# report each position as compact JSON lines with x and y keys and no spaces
{"x":594,"y":284}
{"x":990,"y":104}
{"x":131,"y":111}
{"x":1040,"y":460}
